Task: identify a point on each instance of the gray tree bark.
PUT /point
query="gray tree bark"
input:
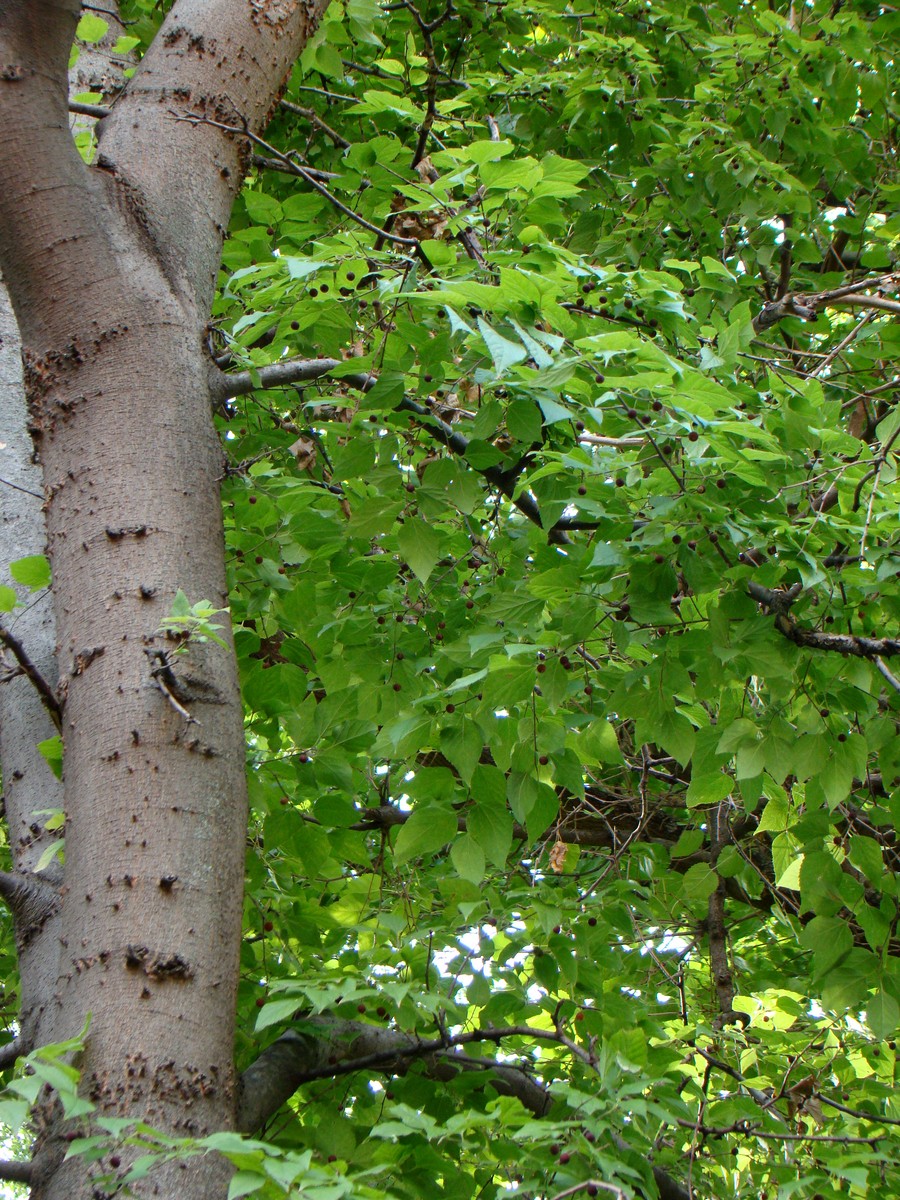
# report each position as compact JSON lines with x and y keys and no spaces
{"x":111,"y":270}
{"x":32,"y":791}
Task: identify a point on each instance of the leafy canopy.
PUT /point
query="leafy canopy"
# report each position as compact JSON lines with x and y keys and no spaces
{"x":524,"y":750}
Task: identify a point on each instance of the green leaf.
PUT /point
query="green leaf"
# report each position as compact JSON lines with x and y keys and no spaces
{"x":830,"y":941}
{"x":504,"y":353}
{"x":883,"y":1015}
{"x":50,"y":853}
{"x":699,"y":883}
{"x":275,"y":1012}
{"x":245,"y":1183}
{"x":427,"y":830}
{"x":491,"y":825}
{"x":468,"y":858}
{"x":33,"y":572}
{"x":524,"y":421}
{"x":708,"y":789}
{"x":420,"y":544}
{"x":865,"y":853}
{"x":91,"y":28}
{"x":463,"y":744}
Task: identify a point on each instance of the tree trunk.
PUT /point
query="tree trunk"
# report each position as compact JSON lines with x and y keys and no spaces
{"x":111,"y":272}
{"x":30,"y":789}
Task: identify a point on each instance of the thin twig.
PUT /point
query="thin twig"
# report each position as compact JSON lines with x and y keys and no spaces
{"x":888,"y":674}
{"x":586,"y":1185}
{"x":17,"y":487}
{"x":422,"y":1049}
{"x":842,"y":345}
{"x":313,"y":117}
{"x":870,"y":302}
{"x":752,"y":1130}
{"x":295,"y":169}
{"x":165,"y":680}
{"x":273,"y":164}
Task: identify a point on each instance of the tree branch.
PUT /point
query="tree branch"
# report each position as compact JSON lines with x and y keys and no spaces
{"x":326,"y":1047}
{"x":89,"y":110}
{"x":779,"y":603}
{"x":855,"y":301}
{"x":888,"y":674}
{"x":272,"y":375}
{"x":15,"y":1172}
{"x":40,"y":684}
{"x":807,"y":306}
{"x":223,"y":387}
{"x":11,"y":1052}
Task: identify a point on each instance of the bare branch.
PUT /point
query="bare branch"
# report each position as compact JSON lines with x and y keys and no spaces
{"x":856,"y":301}
{"x":325,"y":1047}
{"x":850,"y":644}
{"x":89,"y":110}
{"x":15,"y":1172}
{"x":40,"y":684}
{"x":274,"y":164}
{"x":807,"y":306}
{"x":314,"y":119}
{"x":888,"y":674}
{"x":11,"y":1052}
{"x":277,"y":374}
